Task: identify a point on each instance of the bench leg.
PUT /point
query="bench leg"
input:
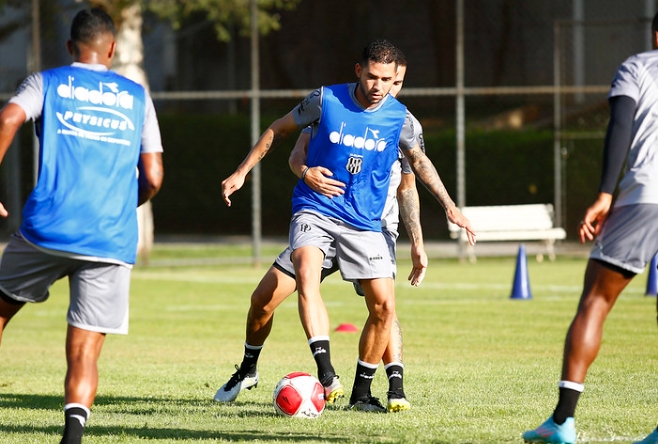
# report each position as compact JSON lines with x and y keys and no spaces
{"x":471,"y":253}
{"x":550,"y":247}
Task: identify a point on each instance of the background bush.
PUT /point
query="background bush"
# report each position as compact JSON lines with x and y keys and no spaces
{"x":502,"y":167}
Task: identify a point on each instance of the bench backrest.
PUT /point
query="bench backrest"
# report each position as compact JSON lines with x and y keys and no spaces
{"x":508,"y":217}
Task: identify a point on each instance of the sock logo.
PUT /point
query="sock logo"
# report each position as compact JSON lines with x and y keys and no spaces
{"x":319,"y":350}
{"x":80,"y":418}
{"x":394,"y":375}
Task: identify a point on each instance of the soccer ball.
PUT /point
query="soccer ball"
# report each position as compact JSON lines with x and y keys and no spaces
{"x":299,"y":395}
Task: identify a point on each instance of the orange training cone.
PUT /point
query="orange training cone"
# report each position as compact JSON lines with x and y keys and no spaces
{"x":652,"y":280}
{"x":521,"y":285}
{"x":347,"y":328}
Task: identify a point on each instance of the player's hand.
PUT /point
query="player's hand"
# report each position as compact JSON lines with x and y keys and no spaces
{"x":456,"y":217}
{"x":3,"y":211}
{"x":594,"y":217}
{"x":319,"y":179}
{"x":231,"y":184}
{"x":419,"y":261}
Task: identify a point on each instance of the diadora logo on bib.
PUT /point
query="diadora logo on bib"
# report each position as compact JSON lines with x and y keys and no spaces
{"x":369,"y":140}
{"x":102,"y":118}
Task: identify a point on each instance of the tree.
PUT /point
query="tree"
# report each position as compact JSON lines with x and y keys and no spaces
{"x":224,"y":14}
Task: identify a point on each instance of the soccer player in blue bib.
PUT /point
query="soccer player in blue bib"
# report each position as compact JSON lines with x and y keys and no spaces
{"x":279,"y":281}
{"x":100,"y":157}
{"x":357,"y":129}
{"x":624,"y":230}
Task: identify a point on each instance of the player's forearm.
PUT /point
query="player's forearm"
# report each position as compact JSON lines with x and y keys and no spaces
{"x":409,"y":203}
{"x":297,"y":161}
{"x":151,"y":174}
{"x":265,"y":143}
{"x":427,"y":174}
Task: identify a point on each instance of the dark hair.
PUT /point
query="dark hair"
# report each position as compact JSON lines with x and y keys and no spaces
{"x":654,"y":23}
{"x":382,"y":51}
{"x":401,"y":59}
{"x":88,"y":24}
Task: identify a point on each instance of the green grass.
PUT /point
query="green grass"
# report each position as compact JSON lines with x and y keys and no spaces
{"x":479,"y":366}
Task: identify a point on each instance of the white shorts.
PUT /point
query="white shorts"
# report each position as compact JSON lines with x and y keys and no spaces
{"x":99,"y":291}
{"x":360,"y":254}
{"x":629,"y":238}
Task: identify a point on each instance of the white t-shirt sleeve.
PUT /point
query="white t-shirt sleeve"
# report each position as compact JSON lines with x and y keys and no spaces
{"x":151,"y":138}
{"x":625,"y":82}
{"x":29,"y":96}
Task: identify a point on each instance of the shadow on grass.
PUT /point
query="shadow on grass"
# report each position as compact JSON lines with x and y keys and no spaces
{"x":178,"y":434}
{"x":153,"y":405}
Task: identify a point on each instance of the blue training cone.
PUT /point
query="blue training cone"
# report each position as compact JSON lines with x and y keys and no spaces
{"x":521,"y":286}
{"x":652,"y":280}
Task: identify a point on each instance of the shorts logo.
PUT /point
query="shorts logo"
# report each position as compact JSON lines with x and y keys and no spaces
{"x":379,"y":257}
{"x":304,"y":228}
{"x":354,"y":164}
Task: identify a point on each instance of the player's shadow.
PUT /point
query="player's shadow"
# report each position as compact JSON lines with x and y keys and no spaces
{"x":152,"y":405}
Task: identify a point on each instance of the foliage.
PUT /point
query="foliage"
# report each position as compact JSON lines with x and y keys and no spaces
{"x":11,"y":3}
{"x":224,"y":14}
{"x":503,"y":167}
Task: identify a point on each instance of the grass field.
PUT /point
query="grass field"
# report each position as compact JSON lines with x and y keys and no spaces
{"x":479,"y":366}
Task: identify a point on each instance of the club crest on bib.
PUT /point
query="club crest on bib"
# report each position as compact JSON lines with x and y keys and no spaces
{"x":354,"y":164}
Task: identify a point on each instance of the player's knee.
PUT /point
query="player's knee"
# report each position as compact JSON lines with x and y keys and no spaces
{"x":384,"y":311}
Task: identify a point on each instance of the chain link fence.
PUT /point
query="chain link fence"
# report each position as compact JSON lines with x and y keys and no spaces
{"x":536,"y":77}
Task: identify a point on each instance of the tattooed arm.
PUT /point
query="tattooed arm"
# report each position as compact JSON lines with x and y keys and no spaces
{"x":409,"y":204}
{"x":427,"y":174}
{"x":410,"y":142}
{"x":278,"y":130}
{"x":305,"y":113}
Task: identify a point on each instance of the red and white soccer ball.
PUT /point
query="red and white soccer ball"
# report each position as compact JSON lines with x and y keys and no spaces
{"x":299,"y":395}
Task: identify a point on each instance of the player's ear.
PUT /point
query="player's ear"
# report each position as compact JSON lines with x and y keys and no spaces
{"x":112,"y":50}
{"x":357,"y":70}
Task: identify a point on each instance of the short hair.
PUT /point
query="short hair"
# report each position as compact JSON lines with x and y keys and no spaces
{"x":654,"y":23}
{"x":401,"y":59}
{"x":90,"y":23}
{"x":381,"y":51}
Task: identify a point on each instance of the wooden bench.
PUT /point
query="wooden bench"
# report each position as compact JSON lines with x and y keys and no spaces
{"x":510,"y":223}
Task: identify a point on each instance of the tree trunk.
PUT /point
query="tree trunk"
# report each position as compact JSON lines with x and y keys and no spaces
{"x":128,"y":62}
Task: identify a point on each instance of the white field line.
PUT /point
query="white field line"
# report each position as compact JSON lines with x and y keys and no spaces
{"x":551,"y":292}
{"x":455,"y":286}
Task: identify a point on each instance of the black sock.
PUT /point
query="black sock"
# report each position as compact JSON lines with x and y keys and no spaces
{"x":395,"y":373}
{"x":75,"y":418}
{"x":250,"y":359}
{"x":566,"y":405}
{"x":365,"y":373}
{"x":322,"y":356}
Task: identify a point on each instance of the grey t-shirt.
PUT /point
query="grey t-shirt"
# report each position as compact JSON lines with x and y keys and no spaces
{"x":637,"y":78}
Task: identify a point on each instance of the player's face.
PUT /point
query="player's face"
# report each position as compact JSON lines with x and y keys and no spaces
{"x":375,"y":81}
{"x":399,"y":80}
